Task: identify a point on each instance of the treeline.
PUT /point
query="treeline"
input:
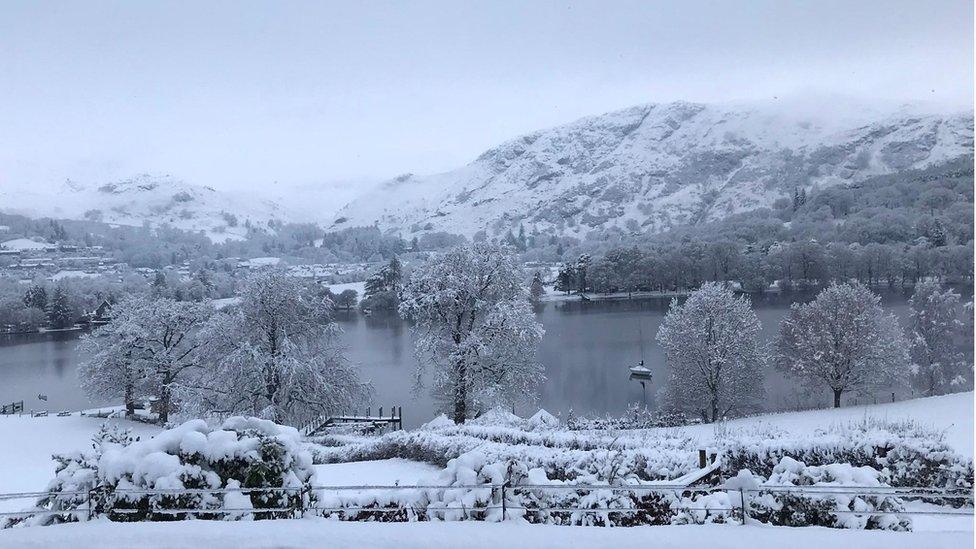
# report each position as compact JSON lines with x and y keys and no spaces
{"x":890,"y":230}
{"x":687,"y":264}
{"x":158,"y":247}
{"x":26,"y":308}
{"x":63,"y":303}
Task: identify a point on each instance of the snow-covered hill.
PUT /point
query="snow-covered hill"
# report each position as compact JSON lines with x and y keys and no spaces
{"x":650,"y":167}
{"x":155,"y":200}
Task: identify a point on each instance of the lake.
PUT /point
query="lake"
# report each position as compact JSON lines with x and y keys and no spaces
{"x":587,"y":350}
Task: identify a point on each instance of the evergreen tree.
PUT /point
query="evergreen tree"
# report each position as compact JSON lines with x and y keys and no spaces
{"x":537,"y":288}
{"x":383,"y":288}
{"x":582,"y":266}
{"x":159,"y":284}
{"x":61,"y":314}
{"x":35,"y":297}
{"x":566,"y":279}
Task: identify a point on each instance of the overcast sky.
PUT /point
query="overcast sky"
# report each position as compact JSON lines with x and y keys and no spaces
{"x":243,"y":94}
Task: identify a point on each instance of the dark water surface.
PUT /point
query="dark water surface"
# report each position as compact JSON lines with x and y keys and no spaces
{"x":587,"y":350}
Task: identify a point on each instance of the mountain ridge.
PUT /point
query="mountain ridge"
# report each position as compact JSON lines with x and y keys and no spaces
{"x":654,"y":166}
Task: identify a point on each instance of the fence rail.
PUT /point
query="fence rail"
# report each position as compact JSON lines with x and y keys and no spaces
{"x":88,"y":500}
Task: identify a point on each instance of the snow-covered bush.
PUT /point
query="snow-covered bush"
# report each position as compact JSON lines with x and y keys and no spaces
{"x":242,"y":455}
{"x":543,"y":420}
{"x":831,"y":506}
{"x":636,"y":417}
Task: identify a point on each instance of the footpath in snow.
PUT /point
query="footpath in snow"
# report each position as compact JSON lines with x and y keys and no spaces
{"x":316,"y":532}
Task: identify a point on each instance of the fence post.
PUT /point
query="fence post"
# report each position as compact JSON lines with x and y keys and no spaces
{"x":90,"y":506}
{"x":745,"y":511}
{"x":504,"y":506}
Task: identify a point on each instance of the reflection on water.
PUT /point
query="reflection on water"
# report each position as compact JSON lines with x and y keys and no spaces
{"x":587,"y":350}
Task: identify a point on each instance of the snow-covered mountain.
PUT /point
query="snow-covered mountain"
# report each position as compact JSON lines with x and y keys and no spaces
{"x":653,"y":166}
{"x":156,"y":200}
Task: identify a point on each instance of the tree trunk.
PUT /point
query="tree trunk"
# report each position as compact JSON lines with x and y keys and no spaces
{"x":130,"y":403}
{"x":837,"y":393}
{"x":164,"y":404}
{"x":460,"y":394}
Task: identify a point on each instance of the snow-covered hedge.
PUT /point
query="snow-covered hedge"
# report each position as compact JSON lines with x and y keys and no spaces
{"x":564,"y":455}
{"x":472,"y":492}
{"x":636,"y":417}
{"x":242,"y":454}
{"x":831,"y":499}
{"x":905,"y":454}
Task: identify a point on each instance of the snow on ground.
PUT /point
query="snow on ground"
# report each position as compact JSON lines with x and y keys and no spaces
{"x":72,"y":274}
{"x":938,"y":522}
{"x":25,"y":457}
{"x":953,"y":413}
{"x":317,"y":532}
{"x":225,"y":302}
{"x":552,"y":294}
{"x":383,"y":472}
{"x":21,"y":244}
{"x":256,"y":262}
{"x":360,"y":288}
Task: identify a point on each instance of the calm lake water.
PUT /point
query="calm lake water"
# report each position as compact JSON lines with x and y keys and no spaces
{"x":587,"y":350}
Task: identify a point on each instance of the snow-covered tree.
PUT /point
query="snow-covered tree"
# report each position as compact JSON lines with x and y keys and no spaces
{"x":61,"y":313}
{"x":937,"y":365}
{"x":537,"y":288}
{"x":35,"y":297}
{"x":276,"y":355}
{"x":474,"y":328}
{"x":566,"y":279}
{"x":346,"y":299}
{"x":383,"y":288}
{"x":582,"y":268}
{"x":714,"y":356}
{"x":147,"y":349}
{"x":111,"y":373}
{"x":843,"y":339}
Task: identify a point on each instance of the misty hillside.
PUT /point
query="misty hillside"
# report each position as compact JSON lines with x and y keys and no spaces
{"x":148,"y":199}
{"x":654,"y":167}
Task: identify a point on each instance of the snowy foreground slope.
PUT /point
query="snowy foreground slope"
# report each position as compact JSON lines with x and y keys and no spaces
{"x":951,"y":413}
{"x":24,"y":465}
{"x":342,"y":535}
{"x":651,"y":166}
{"x":28,"y":443}
{"x":30,"y":467}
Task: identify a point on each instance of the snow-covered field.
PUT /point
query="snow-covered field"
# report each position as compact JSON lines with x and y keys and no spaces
{"x":469,"y":535}
{"x":383,"y":472}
